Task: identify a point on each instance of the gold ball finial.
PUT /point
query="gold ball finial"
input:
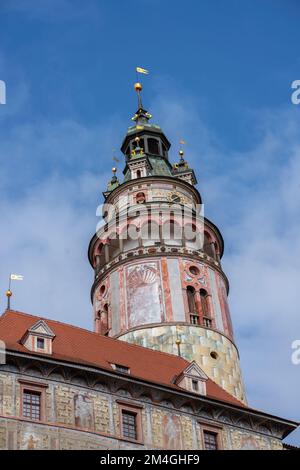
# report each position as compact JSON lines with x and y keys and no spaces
{"x":181,"y":153}
{"x":137,"y":139}
{"x":8,"y":293}
{"x":178,"y":341}
{"x":114,"y":169}
{"x":138,"y":86}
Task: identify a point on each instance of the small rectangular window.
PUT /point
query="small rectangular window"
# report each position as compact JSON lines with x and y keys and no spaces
{"x":122,"y":369}
{"x":195,"y":385}
{"x":129,"y":425}
{"x":210,"y":440}
{"x":207,"y":322}
{"x":40,"y":343}
{"x":32,"y":405}
{"x":194,"y":319}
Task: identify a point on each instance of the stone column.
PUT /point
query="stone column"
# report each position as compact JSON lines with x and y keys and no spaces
{"x":199,"y":306}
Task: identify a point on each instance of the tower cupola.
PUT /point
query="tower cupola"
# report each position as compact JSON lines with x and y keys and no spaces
{"x":151,"y":139}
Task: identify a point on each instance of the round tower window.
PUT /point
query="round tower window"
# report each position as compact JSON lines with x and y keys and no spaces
{"x":194,"y":271}
{"x":102,"y":290}
{"x":214,"y":355}
{"x":140,"y":198}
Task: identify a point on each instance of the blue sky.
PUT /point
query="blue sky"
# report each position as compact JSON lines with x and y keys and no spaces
{"x":220,"y":78}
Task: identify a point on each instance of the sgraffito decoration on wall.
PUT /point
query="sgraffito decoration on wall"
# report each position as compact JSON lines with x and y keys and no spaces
{"x":29,"y":440}
{"x":249,"y":443}
{"x":144,"y":296}
{"x":84,"y":413}
{"x":172,"y":438}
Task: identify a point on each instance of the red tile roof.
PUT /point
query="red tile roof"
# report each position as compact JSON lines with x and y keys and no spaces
{"x":76,"y":345}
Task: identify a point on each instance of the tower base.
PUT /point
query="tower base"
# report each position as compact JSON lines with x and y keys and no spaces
{"x":214,"y":352}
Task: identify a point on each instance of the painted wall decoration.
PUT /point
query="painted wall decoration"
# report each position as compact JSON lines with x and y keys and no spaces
{"x":195,"y":273}
{"x":172,"y":438}
{"x":144,"y":294}
{"x":249,"y":443}
{"x":30,"y":440}
{"x":84,"y":413}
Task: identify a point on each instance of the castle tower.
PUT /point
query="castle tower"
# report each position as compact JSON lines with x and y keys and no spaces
{"x":159,"y":281}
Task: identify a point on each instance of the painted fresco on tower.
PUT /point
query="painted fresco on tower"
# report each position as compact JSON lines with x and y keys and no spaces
{"x":171,"y":432}
{"x":84,"y":415}
{"x":144,"y":299}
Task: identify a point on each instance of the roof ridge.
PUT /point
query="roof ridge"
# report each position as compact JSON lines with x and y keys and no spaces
{"x":18,"y":312}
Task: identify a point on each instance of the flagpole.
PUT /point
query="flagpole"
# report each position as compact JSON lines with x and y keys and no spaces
{"x":8,"y":293}
{"x":12,"y":277}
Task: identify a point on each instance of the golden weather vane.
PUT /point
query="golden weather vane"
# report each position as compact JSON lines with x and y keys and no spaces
{"x":138,"y":86}
{"x":8,"y":293}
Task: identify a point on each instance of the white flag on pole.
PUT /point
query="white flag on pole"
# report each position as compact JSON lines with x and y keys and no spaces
{"x":16,"y":277}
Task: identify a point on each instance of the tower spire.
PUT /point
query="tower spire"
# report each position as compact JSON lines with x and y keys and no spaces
{"x":141,"y":116}
{"x":138,"y":88}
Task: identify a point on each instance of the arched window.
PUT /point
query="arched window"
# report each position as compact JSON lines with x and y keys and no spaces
{"x":140,"y":143}
{"x":194,"y":316}
{"x":172,"y":233}
{"x":150,"y":233}
{"x":191,"y":299}
{"x":153,"y":146}
{"x":205,"y":308}
{"x":104,"y":320}
{"x":138,"y":173}
{"x":208,"y":245}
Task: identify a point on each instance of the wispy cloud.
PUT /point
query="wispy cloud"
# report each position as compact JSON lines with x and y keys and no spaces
{"x":254,"y":197}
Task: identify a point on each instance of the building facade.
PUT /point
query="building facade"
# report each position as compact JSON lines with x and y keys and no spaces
{"x":161,"y":369}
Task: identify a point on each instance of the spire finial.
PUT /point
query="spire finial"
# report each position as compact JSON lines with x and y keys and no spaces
{"x":138,"y":88}
{"x":114,"y":182}
{"x":8,"y":294}
{"x":141,"y":116}
{"x":181,"y":153}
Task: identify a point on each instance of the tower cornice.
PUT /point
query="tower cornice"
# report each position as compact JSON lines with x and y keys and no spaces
{"x":154,"y":179}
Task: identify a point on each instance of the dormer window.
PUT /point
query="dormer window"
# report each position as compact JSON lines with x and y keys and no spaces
{"x":40,"y":343}
{"x":39,"y":338}
{"x":120,"y":368}
{"x":195,"y":385}
{"x":193,"y":378}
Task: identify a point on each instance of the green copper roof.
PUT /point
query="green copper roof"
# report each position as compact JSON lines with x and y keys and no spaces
{"x":160,"y":167}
